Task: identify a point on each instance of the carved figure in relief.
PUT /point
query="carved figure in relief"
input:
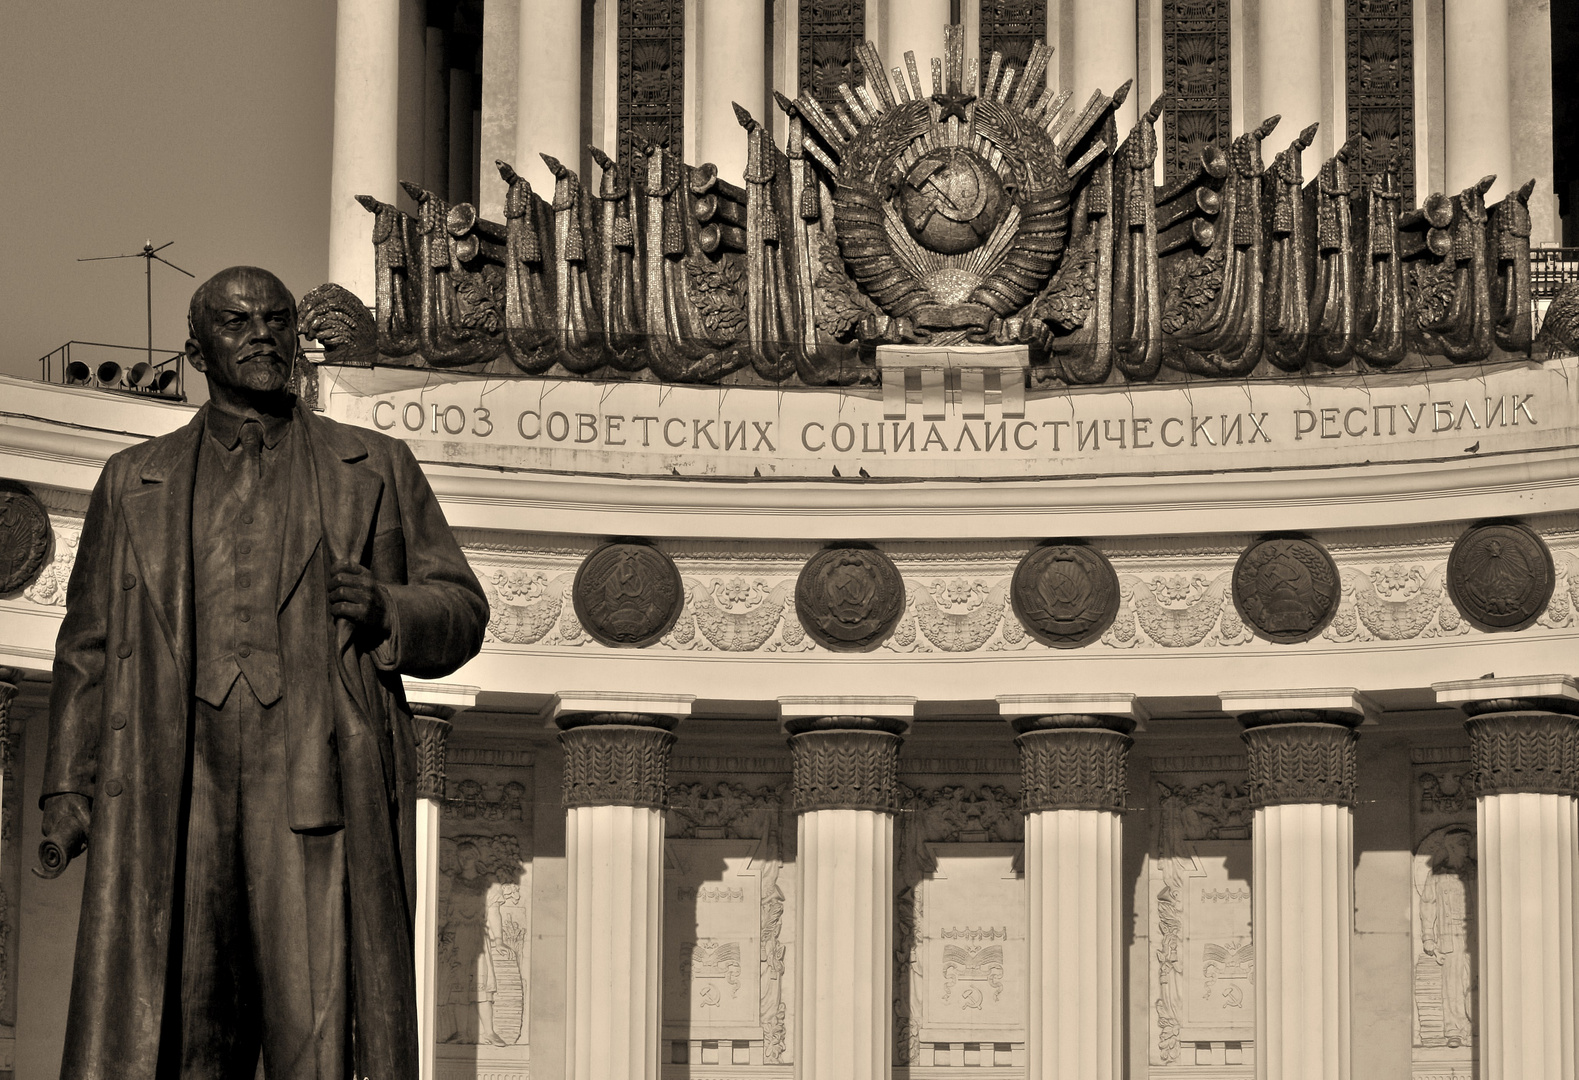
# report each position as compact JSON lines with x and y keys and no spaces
{"x":1445,"y":886}
{"x":472,"y":928}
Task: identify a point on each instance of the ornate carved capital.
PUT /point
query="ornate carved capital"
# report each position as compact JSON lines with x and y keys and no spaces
{"x":1068,"y":767}
{"x":433,"y":733}
{"x":846,"y":768}
{"x":1301,"y":762}
{"x":1530,"y":752}
{"x":616,"y":759}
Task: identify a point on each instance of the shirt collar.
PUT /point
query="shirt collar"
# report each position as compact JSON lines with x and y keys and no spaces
{"x":225,"y":426}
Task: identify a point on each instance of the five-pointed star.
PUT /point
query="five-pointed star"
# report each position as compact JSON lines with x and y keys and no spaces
{"x":952,"y":104}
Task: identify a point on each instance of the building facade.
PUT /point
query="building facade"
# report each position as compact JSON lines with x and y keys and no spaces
{"x":988,"y":570}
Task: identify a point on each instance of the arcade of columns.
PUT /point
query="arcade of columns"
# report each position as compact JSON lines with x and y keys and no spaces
{"x":1301,"y":745}
{"x":1302,"y":750}
{"x":538,"y":46}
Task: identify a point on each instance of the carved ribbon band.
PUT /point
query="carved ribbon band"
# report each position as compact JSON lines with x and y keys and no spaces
{"x":611,"y":764}
{"x":1073,"y":769}
{"x":1531,"y":752}
{"x":846,"y":769}
{"x":1301,"y":763}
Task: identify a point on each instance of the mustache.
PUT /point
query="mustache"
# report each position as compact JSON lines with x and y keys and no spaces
{"x":265,"y":353}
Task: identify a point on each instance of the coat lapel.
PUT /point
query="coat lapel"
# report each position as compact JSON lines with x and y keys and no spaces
{"x":158,"y":517}
{"x":348,"y":491}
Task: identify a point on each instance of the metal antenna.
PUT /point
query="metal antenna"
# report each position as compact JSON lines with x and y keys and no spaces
{"x":148,"y":254}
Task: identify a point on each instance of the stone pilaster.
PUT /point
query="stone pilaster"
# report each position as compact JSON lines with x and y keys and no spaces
{"x":8,"y":680}
{"x":616,"y":773}
{"x":1072,"y":785}
{"x":846,"y":788}
{"x":1524,"y":748}
{"x":1301,"y":763}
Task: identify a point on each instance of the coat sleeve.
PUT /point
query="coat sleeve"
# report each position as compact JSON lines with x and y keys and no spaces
{"x":439,"y":613}
{"x":76,"y":700}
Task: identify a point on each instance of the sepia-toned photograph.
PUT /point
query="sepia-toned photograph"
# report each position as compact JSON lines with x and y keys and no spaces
{"x":789,"y":540}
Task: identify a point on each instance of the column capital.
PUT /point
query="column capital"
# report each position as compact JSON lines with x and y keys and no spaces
{"x":1327,"y":705}
{"x":433,"y":708}
{"x":1524,"y":752}
{"x":1519,"y":693}
{"x":1074,"y":766}
{"x":433,"y":735}
{"x":664,"y":710}
{"x":1300,"y":762}
{"x":845,"y":768}
{"x":797,"y":709}
{"x":1035,"y":712}
{"x":617,"y":758}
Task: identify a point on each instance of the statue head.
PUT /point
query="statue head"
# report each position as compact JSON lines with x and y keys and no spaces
{"x":242,"y":323}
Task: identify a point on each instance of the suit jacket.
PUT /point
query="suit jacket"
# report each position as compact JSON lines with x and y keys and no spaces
{"x":121,"y":712}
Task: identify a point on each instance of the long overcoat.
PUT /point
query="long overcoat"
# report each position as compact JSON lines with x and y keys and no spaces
{"x":121,"y":715}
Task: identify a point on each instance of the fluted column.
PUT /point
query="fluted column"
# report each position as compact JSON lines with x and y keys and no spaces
{"x":433,"y":732}
{"x":548,"y":109}
{"x":1290,"y":63}
{"x":1103,"y":52}
{"x":1524,"y":749}
{"x":730,"y":66}
{"x":845,"y":755}
{"x":616,"y":775}
{"x":1301,"y":764}
{"x":436,"y":112}
{"x":898,"y":26}
{"x":366,"y":120}
{"x":8,"y":681}
{"x":1072,"y":765}
{"x":1477,"y":99}
{"x":433,"y":708}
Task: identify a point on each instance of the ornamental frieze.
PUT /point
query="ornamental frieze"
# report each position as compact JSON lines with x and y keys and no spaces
{"x":957,"y":601}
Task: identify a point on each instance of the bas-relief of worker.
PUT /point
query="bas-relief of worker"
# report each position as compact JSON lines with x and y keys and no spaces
{"x":228,"y":731}
{"x":1446,"y":889}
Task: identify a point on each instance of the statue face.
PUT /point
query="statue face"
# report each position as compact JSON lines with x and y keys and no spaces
{"x":245,"y":339}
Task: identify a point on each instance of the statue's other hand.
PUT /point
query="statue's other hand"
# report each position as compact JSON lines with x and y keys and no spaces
{"x":355,"y":595}
{"x":65,"y":829}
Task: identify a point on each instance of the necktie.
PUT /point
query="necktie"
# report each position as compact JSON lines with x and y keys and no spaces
{"x":251,"y":454}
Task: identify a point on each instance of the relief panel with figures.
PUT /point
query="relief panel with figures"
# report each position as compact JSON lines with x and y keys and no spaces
{"x":959,"y":923}
{"x":1442,"y":911}
{"x":485,"y":915}
{"x":727,"y":927}
{"x":1202,"y":963}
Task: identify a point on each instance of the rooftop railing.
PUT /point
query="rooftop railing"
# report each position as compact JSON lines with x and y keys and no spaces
{"x":102,"y":366}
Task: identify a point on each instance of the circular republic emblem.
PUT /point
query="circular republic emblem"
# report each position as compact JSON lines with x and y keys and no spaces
{"x":628,"y":594}
{"x":24,"y":537}
{"x":951,"y":200}
{"x":1500,"y":576}
{"x":1066,"y":595}
{"x":1286,"y":589}
{"x":849,"y":598}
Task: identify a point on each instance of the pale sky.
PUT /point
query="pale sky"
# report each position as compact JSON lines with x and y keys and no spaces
{"x":206,"y":123}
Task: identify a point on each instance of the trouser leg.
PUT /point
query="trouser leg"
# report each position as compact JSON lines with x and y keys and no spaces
{"x":218,"y":1035}
{"x":296,"y":905}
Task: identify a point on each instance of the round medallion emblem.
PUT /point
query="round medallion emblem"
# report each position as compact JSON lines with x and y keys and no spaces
{"x":628,"y":594}
{"x":1500,"y":576}
{"x":24,"y":537}
{"x":1286,"y":589}
{"x":951,"y":200}
{"x":1066,"y":595}
{"x":849,"y":598}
